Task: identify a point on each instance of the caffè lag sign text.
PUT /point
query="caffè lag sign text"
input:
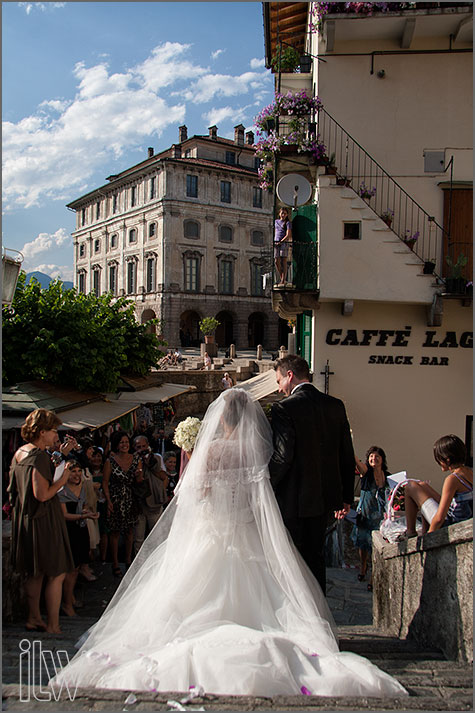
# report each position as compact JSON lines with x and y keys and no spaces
{"x":397,"y":338}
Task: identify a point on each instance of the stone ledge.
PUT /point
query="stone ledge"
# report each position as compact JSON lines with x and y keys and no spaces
{"x":423,"y":589}
{"x":453,"y":535}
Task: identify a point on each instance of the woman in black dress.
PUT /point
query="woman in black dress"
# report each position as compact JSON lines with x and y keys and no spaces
{"x":121,"y":470}
{"x":73,"y":503}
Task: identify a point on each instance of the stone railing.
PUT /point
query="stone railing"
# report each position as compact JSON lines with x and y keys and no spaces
{"x":423,"y":589}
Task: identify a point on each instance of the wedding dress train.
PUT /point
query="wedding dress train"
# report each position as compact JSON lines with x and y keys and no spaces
{"x":218,"y":596}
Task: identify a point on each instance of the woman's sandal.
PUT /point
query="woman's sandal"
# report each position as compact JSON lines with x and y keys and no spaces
{"x":361,"y":577}
{"x":370,"y":587}
{"x":116,"y":571}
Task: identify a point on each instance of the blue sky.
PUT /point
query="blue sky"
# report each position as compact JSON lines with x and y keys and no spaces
{"x":88,"y":86}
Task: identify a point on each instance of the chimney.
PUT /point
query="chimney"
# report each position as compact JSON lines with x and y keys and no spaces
{"x":182,"y":133}
{"x":239,"y":134}
{"x":213,"y":132}
{"x":176,"y":151}
{"x":250,"y":138}
{"x":150,"y":152}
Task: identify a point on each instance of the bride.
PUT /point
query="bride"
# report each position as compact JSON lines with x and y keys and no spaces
{"x":218,"y":596}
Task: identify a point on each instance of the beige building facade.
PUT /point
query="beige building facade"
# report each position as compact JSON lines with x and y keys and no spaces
{"x":391,"y":339}
{"x":185,"y":234}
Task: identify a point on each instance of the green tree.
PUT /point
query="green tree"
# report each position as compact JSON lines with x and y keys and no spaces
{"x":72,"y":339}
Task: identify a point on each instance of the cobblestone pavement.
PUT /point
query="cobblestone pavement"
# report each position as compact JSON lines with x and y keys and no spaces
{"x":433,"y":683}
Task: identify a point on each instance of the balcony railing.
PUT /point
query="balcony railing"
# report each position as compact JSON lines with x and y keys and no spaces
{"x":301,"y":268}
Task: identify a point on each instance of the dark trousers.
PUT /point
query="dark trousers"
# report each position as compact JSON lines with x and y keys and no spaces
{"x":308,"y":534}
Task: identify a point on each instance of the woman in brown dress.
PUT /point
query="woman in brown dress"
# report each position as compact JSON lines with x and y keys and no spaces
{"x":40,"y":543}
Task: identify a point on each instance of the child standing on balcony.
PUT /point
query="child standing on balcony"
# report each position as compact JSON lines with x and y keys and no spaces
{"x":282,"y":240}
{"x":456,"y":502}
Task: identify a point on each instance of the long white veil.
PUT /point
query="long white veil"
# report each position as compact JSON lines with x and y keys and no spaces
{"x":218,"y":595}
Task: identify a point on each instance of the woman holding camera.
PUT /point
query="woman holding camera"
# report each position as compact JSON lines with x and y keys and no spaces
{"x":40,"y":543}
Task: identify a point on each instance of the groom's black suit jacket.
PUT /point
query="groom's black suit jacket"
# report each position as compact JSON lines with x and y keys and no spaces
{"x":313,"y":465}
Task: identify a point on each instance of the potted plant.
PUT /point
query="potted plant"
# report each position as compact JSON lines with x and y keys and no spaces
{"x":341,"y":181}
{"x":329,"y":163}
{"x":455,"y":283}
{"x":387,"y":216}
{"x":207,"y":327}
{"x":429,"y":266}
{"x":411,"y":238}
{"x":366,"y":192}
{"x":286,"y":59}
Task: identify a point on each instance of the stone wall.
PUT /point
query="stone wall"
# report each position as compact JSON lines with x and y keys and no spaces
{"x":423,"y":589}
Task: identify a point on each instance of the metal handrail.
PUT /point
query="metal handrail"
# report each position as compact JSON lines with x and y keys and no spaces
{"x":354,"y":165}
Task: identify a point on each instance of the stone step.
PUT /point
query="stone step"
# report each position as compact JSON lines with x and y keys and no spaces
{"x":433,"y":683}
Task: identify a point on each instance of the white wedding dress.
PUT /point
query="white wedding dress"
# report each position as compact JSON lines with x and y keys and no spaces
{"x":218,"y":596}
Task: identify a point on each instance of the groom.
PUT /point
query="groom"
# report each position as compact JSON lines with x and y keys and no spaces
{"x":313,"y":465}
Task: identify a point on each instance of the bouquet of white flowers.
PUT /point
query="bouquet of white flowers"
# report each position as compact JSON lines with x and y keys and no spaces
{"x":186,"y":433}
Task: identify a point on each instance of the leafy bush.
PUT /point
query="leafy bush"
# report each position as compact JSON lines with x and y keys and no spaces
{"x":72,"y":339}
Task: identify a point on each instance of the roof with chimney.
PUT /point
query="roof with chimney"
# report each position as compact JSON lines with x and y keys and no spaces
{"x":170,"y":154}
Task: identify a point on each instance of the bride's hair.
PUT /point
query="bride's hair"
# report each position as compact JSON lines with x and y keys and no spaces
{"x":235,"y":405}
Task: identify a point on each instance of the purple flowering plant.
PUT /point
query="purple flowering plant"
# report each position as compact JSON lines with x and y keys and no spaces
{"x":411,"y":236}
{"x":290,"y":104}
{"x":294,"y":131}
{"x":320,"y":9}
{"x":365,"y":191}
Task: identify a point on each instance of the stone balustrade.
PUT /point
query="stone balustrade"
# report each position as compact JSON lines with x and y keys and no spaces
{"x":423,"y":589}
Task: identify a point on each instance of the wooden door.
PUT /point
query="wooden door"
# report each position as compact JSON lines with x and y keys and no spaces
{"x":460,"y":215}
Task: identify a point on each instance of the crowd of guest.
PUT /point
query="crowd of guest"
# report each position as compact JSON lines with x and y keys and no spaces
{"x":76,"y":504}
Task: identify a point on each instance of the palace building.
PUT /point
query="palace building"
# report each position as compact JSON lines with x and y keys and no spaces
{"x":185,"y":234}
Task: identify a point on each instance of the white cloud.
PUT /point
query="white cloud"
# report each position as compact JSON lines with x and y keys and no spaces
{"x":40,"y":6}
{"x":44,"y":242}
{"x":214,"y":85}
{"x":216,"y":53}
{"x":48,"y":154}
{"x":55,"y":104}
{"x":215,"y":116}
{"x":257,"y":63}
{"x":53,"y":153}
{"x":65,"y":272}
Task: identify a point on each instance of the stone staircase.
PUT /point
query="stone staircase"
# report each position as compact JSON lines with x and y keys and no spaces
{"x":433,"y":683}
{"x":376,"y":224}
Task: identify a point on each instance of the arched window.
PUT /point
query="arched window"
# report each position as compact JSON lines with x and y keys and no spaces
{"x":152,"y":230}
{"x":132,"y":235}
{"x":225,"y":234}
{"x":257,"y":237}
{"x":191,"y":229}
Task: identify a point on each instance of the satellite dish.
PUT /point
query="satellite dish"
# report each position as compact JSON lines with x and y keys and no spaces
{"x":294,"y":189}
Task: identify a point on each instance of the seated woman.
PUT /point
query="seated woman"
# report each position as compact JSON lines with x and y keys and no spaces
{"x":456,"y":502}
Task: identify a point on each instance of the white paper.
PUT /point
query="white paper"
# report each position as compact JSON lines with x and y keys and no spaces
{"x":59,"y":471}
{"x":396,"y":478}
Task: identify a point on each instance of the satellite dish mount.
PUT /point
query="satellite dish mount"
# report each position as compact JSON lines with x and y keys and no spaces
{"x":294,"y":190}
